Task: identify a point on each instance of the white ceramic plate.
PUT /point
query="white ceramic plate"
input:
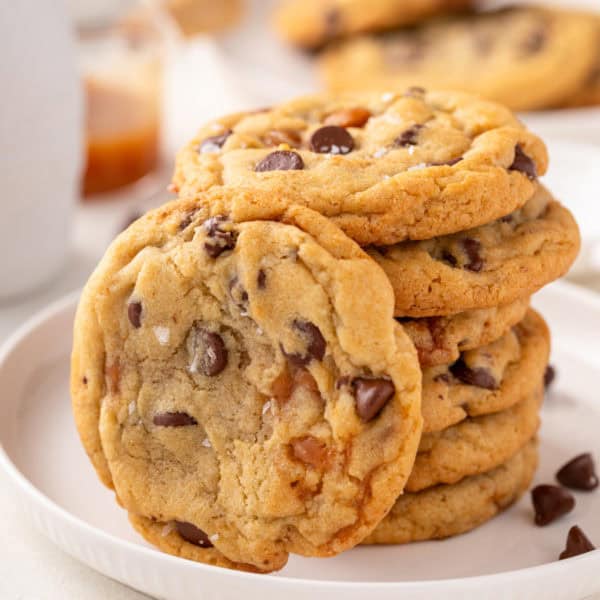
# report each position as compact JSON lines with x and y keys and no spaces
{"x":507,"y":558}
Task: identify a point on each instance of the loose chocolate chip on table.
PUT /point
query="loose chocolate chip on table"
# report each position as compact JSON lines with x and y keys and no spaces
{"x":280,"y":160}
{"x":579,"y":473}
{"x":348,"y":117}
{"x":207,"y":350}
{"x":549,"y":376}
{"x":331,"y":140}
{"x":409,"y":136}
{"x":478,"y":377}
{"x":551,"y":502}
{"x":134,"y":312}
{"x":190,"y":533}
{"x":472,"y":249}
{"x":214,"y":143}
{"x":523,"y":164}
{"x":282,"y":136}
{"x":577,"y":543}
{"x":371,"y":396}
{"x":219,"y":239}
{"x":173,"y":419}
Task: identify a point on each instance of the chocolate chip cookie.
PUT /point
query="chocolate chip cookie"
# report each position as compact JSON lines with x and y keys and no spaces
{"x":516,"y":56}
{"x":440,"y":340}
{"x":448,"y":510}
{"x":486,"y":266}
{"x":384,"y":167}
{"x":475,"y":445}
{"x":228,"y":381}
{"x":488,"y":379}
{"x":312,"y":23}
{"x":589,"y":93}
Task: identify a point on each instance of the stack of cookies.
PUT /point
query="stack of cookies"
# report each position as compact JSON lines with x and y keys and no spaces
{"x":515,"y":55}
{"x":326,"y":340}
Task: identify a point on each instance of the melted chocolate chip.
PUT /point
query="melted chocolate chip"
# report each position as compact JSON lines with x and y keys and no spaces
{"x":190,"y":533}
{"x":261,"y":279}
{"x":523,"y":164}
{"x":134,"y":312}
{"x":280,"y":160}
{"x":449,"y":258}
{"x":409,"y":136}
{"x":219,"y":239}
{"x":579,"y":473}
{"x":187,"y":220}
{"x":207,"y":350}
{"x":214,"y":143}
{"x":549,"y":376}
{"x":551,"y":502}
{"x":478,"y":377}
{"x":316,"y":344}
{"x":371,"y":396}
{"x":446,"y":163}
{"x":472,"y":249}
{"x":238,"y":294}
{"x":331,"y":139}
{"x":84,"y":380}
{"x":173,"y":419}
{"x":577,"y":543}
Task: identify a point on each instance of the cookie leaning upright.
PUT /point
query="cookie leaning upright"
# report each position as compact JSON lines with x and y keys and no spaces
{"x":384,"y":167}
{"x":236,"y":391}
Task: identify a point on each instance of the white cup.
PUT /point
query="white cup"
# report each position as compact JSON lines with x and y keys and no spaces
{"x":41,"y":135}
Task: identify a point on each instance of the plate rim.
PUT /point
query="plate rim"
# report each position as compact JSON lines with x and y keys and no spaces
{"x":59,"y":514}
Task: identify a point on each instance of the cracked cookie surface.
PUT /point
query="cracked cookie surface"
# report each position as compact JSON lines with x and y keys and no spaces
{"x":228,"y":380}
{"x":515,"y":56}
{"x":448,"y":510}
{"x":312,"y":23}
{"x":487,"y":266}
{"x":384,"y":167}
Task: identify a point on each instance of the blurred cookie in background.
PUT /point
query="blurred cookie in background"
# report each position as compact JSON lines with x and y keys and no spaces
{"x":312,"y":23}
{"x":204,"y":16}
{"x":527,"y":58}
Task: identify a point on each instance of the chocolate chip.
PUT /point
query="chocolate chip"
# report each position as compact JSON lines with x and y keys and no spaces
{"x":84,"y":380}
{"x":549,"y":376}
{"x":220,"y":239}
{"x":577,"y":543}
{"x":449,"y":258}
{"x":207,"y":351}
{"x":343,"y":382}
{"x":282,"y":136}
{"x":478,"y":377}
{"x":535,"y":41}
{"x":371,"y":396}
{"x":261,"y":279}
{"x":409,"y":136}
{"x":173,"y":419}
{"x":186,"y":221}
{"x":190,"y":533}
{"x":446,"y":163}
{"x":579,"y":473}
{"x":443,"y":377}
{"x":331,"y":139}
{"x":316,"y":344}
{"x":523,"y":164}
{"x":348,"y":117}
{"x":472,"y":249}
{"x":280,"y":160}
{"x":134,"y":312}
{"x":238,"y":294}
{"x":214,"y":143}
{"x":551,"y":502}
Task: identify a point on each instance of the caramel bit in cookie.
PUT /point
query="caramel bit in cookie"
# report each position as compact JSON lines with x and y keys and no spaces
{"x":348,"y":117}
{"x":282,"y":136}
{"x":409,"y":137}
{"x":478,"y":377}
{"x":310,"y":451}
{"x":173,"y":419}
{"x":207,"y":351}
{"x":472,"y":249}
{"x":331,"y":139}
{"x":113,"y":376}
{"x":282,"y":386}
{"x":551,"y":502}
{"x":134,"y":312}
{"x":577,"y":543}
{"x":261,"y":279}
{"x":549,"y":376}
{"x":316,"y":344}
{"x":371,"y":396}
{"x":190,"y":533}
{"x":280,"y":160}
{"x":523,"y":163}
{"x":214,"y":143}
{"x":291,"y":378}
{"x":219,"y":239}
{"x":579,"y":473}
